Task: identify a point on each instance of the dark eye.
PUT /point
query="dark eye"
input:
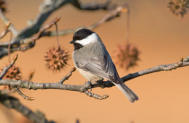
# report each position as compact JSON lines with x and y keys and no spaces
{"x":77,"y":37}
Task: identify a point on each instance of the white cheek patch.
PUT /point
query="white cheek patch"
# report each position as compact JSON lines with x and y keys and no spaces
{"x":90,"y":39}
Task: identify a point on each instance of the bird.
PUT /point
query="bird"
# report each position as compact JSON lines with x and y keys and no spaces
{"x":93,"y":61}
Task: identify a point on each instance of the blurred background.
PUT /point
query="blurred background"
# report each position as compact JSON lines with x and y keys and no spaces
{"x":161,"y":38}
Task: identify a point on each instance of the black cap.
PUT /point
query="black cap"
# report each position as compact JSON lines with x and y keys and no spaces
{"x":81,"y":34}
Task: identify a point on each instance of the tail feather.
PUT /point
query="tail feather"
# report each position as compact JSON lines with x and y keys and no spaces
{"x":127,"y":91}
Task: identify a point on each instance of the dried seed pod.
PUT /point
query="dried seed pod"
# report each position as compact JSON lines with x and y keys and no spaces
{"x":56,"y":58}
{"x":3,"y":5}
{"x":178,"y":7}
{"x":13,"y":73}
{"x":127,"y":55}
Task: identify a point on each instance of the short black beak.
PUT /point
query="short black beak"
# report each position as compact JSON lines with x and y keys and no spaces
{"x":71,"y":42}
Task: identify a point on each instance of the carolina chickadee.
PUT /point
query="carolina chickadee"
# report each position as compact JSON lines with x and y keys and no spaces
{"x":93,"y":61}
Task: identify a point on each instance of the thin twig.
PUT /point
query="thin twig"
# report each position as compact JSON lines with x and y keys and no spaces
{"x":5,"y":70}
{"x":5,"y":32}
{"x":23,"y":95}
{"x":7,"y":22}
{"x":31,"y":42}
{"x":9,"y":49}
{"x":67,"y":76}
{"x":167,"y":67}
{"x":31,"y":75}
{"x":46,"y":27}
{"x":46,"y":9}
{"x":108,"y":17}
{"x":57,"y":37}
{"x":96,"y":96}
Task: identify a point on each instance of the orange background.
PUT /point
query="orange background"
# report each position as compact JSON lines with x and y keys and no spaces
{"x":161,"y":37}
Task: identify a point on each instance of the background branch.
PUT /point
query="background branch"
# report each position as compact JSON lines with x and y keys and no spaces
{"x":13,"y":103}
{"x":91,"y":6}
{"x":46,"y":9}
{"x":115,"y":13}
{"x":32,"y":41}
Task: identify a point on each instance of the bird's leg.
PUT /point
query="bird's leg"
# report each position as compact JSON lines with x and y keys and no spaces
{"x":88,"y":85}
{"x":100,"y":83}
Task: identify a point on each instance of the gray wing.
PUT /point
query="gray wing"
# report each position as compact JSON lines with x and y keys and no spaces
{"x":100,"y":64}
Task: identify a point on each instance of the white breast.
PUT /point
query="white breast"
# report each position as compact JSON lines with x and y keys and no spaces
{"x":89,"y":76}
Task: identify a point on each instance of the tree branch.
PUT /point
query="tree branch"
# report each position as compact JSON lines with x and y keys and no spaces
{"x":32,"y":41}
{"x":108,"y":17}
{"x":85,"y":87}
{"x":167,"y":67}
{"x":91,"y":6}
{"x":13,"y":103}
{"x":46,"y":9}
